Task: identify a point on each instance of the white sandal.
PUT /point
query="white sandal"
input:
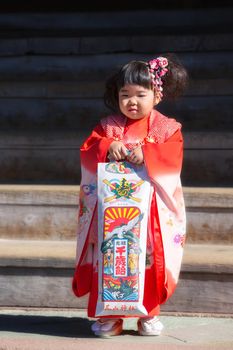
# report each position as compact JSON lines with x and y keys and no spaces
{"x":107,"y":327}
{"x":150,"y":326}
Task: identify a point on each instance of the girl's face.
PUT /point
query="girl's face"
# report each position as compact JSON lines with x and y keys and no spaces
{"x":137,"y":102}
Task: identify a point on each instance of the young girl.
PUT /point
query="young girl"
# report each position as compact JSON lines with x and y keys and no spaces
{"x":139,"y":134}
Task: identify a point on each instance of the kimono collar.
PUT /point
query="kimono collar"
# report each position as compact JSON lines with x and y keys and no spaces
{"x":160,"y":127}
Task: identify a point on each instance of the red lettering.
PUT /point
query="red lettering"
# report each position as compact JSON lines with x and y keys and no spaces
{"x":121,"y":250}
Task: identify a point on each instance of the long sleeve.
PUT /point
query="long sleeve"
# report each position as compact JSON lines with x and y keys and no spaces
{"x":164,"y":158}
{"x":95,"y":149}
{"x":163,"y":163}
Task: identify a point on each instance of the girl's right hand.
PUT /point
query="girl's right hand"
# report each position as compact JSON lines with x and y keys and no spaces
{"x":117,"y":150}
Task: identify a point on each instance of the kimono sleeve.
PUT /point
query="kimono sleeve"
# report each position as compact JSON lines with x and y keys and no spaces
{"x":164,"y":162}
{"x":95,"y":149}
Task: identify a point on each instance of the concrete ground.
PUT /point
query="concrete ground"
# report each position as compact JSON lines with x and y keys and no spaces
{"x":50,"y":329}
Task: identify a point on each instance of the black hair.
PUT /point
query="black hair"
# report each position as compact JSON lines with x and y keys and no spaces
{"x":137,"y":72}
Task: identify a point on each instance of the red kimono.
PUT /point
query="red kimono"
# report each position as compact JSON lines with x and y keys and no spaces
{"x":161,"y":141}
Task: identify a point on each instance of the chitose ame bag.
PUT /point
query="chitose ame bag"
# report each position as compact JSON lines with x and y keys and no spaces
{"x":124,"y":193}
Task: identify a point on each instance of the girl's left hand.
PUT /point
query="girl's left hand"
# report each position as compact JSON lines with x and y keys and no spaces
{"x":136,"y":156}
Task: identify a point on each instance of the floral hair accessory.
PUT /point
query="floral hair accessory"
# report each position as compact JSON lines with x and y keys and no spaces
{"x":157,"y":69}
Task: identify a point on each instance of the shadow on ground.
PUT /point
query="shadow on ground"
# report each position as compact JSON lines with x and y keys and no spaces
{"x":47,"y":325}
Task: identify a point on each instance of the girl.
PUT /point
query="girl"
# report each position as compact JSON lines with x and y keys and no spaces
{"x":138,"y":133}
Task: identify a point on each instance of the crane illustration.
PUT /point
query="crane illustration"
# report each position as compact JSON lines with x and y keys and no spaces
{"x":122,"y":231}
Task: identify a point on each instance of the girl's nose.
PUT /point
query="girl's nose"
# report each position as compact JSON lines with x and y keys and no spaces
{"x":132,"y":102}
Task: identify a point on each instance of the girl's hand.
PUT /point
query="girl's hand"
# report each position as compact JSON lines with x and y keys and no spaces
{"x":117,"y":150}
{"x":136,"y":156}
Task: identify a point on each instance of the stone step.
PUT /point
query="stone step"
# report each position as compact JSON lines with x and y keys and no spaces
{"x":49,"y":212}
{"x":89,"y":45}
{"x":39,"y":274}
{"x":53,"y":157}
{"x":81,"y":68}
{"x":69,"y":114}
{"x":105,"y":22}
{"x":95,"y":89}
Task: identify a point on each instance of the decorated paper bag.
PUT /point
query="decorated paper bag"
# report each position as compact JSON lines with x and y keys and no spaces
{"x":123,"y":204}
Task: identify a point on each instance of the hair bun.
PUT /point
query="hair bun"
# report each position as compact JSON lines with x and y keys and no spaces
{"x":176,"y":79}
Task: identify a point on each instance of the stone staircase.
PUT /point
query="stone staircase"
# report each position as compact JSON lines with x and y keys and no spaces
{"x":37,"y":249}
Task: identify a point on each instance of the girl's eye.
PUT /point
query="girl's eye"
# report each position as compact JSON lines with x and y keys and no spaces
{"x":141,"y":95}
